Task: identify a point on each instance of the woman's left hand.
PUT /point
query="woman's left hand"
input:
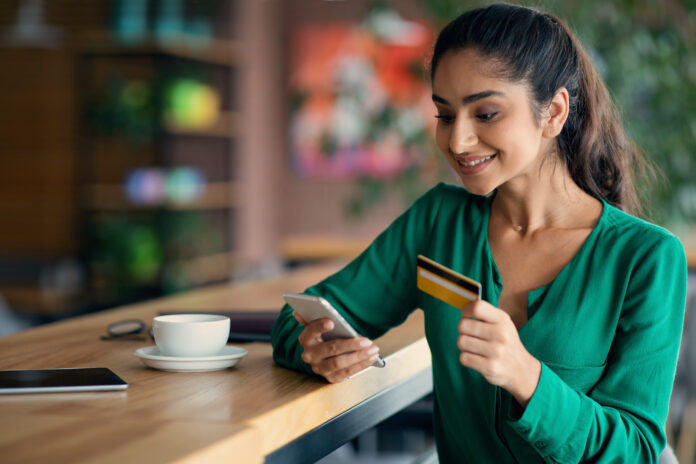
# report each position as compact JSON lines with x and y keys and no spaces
{"x":489,"y":343}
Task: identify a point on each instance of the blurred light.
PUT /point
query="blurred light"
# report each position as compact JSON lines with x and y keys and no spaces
{"x":155,"y":186}
{"x":30,"y":28}
{"x":130,"y":20}
{"x":390,"y":27}
{"x":184,"y":185}
{"x":146,"y":186}
{"x":169,"y":23}
{"x":191,"y":104}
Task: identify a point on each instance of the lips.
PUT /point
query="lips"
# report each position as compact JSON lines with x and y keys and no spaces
{"x":470,"y":165}
{"x":472,"y":161}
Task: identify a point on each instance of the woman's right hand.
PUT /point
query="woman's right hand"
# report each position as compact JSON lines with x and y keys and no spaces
{"x":335,"y":360}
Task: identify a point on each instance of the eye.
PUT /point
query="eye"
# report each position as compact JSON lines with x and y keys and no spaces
{"x":445,"y":119}
{"x":486,"y":116}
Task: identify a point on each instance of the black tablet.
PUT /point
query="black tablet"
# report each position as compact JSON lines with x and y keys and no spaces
{"x":60,"y":380}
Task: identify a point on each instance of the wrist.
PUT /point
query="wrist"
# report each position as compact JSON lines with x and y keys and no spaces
{"x":527,"y":383}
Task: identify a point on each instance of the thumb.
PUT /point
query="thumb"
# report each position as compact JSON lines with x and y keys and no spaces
{"x":468,"y":309}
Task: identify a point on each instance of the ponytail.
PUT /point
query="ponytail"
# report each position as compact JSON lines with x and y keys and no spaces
{"x":601,"y":158}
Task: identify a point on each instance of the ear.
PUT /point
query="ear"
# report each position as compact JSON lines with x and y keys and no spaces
{"x":556,"y":114}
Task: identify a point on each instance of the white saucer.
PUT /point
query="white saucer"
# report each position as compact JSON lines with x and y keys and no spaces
{"x":228,"y":356}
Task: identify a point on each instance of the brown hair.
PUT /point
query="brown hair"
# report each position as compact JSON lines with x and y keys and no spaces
{"x":541,"y":50}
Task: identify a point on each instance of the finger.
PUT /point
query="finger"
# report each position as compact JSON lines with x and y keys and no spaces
{"x":311,"y":335}
{"x":474,"y":361}
{"x":475,"y":328}
{"x":355,"y":368}
{"x":468,"y":309}
{"x":339,"y":368}
{"x":483,"y":311}
{"x":341,"y":346}
{"x":329,"y":366}
{"x":315,"y":353}
{"x":477,"y":346}
{"x":299,"y":318}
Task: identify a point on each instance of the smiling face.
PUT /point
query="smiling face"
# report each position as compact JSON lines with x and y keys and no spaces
{"x":486,"y":127}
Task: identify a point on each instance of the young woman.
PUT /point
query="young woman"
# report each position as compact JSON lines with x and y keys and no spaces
{"x":571,"y":353}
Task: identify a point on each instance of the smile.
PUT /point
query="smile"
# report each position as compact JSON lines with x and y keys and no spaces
{"x":474,"y":163}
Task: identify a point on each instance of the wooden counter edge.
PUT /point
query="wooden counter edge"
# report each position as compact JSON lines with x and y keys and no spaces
{"x":288,"y":422}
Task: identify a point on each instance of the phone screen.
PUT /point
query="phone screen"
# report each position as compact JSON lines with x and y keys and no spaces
{"x":59,"y":380}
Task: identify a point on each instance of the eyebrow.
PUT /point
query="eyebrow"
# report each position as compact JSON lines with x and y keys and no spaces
{"x":471,"y":98}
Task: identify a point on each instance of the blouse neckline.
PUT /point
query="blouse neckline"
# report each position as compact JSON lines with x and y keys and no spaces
{"x":534,"y":294}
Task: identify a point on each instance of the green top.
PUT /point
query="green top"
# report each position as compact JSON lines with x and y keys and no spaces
{"x":606,"y":330}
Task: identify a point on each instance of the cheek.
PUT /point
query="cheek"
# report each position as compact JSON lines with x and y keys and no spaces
{"x":518,"y":133}
{"x":522,"y":147}
{"x":513,"y":140}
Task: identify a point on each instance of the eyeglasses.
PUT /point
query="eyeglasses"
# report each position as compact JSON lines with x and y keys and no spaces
{"x":130,"y":329}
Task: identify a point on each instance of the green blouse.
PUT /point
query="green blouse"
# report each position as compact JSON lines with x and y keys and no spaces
{"x":606,"y":330}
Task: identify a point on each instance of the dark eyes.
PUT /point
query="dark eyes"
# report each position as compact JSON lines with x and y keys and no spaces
{"x":445,"y":119}
{"x":484,"y":117}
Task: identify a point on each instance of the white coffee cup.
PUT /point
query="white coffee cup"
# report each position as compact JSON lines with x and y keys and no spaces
{"x":191,"y":335}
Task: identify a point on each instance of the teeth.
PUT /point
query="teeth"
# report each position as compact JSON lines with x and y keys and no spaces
{"x":474,"y":163}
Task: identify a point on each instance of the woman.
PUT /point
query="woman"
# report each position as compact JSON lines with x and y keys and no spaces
{"x":571,"y":352}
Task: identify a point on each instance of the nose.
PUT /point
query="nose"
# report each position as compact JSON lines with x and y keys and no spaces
{"x":463,"y":135}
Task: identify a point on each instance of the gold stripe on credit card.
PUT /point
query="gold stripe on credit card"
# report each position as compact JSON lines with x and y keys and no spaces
{"x":445,"y":284}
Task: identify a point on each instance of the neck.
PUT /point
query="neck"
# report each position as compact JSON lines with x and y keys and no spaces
{"x":545,"y":198}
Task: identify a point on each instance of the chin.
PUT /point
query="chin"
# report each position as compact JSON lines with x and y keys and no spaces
{"x":478,"y":188}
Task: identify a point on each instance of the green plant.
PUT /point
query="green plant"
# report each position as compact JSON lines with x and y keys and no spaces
{"x":646,"y":54}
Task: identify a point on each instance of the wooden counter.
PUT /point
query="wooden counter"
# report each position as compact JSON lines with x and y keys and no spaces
{"x":690,"y":249}
{"x":242,"y":414}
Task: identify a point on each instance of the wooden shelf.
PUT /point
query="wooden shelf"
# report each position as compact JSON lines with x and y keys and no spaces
{"x":225,"y":126}
{"x":32,"y":300}
{"x":311,"y":248}
{"x":207,"y":268}
{"x":209,"y":148}
{"x":112,"y":197}
{"x":191,"y":47}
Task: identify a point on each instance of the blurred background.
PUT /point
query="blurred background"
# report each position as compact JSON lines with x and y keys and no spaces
{"x":148,"y":147}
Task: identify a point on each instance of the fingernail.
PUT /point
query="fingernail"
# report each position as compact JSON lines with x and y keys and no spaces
{"x":328,"y":325}
{"x":373,"y":350}
{"x":365,"y":342}
{"x":374,"y":358}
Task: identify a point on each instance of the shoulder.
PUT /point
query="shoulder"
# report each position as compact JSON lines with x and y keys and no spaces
{"x":638,"y":237}
{"x":649,"y":263}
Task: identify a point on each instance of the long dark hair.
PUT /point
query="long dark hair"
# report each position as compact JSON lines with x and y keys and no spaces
{"x":541,"y":50}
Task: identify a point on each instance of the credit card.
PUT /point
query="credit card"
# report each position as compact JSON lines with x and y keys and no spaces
{"x":445,"y":284}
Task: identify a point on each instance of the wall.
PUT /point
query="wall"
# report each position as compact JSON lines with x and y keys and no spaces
{"x":317,"y":207}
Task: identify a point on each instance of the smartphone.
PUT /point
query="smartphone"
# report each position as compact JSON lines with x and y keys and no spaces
{"x":60,"y":380}
{"x":312,"y":307}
